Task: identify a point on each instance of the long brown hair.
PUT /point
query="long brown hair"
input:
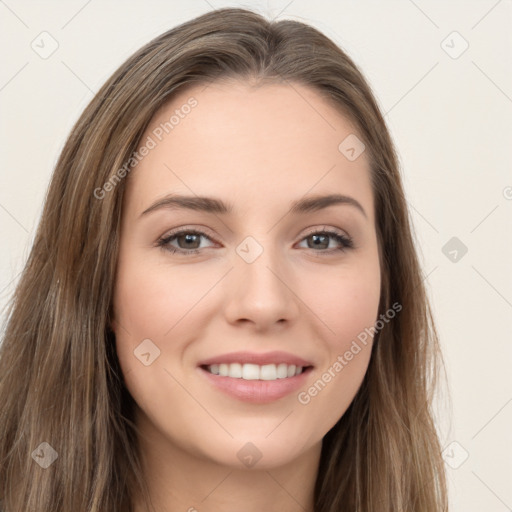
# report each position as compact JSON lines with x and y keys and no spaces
{"x":60,"y":380}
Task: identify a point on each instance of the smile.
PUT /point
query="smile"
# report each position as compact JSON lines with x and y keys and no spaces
{"x":254,"y":383}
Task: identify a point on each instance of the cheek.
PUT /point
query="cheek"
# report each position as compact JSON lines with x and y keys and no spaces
{"x":348,"y":309}
{"x":151,"y":302}
{"x":151,"y":299}
{"x":347,"y":304}
{"x":161,"y":303}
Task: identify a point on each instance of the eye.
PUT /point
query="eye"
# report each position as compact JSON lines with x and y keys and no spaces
{"x":188,"y":240}
{"x":321,"y":240}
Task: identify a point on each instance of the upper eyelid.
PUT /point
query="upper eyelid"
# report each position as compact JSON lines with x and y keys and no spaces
{"x":327,"y":229}
{"x":199,"y":231}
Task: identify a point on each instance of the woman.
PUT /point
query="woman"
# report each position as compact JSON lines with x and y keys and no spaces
{"x":287,"y":364}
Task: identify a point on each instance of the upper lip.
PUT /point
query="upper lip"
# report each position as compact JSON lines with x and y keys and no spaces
{"x":260,"y":359}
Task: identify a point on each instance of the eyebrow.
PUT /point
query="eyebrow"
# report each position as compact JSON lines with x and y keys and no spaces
{"x":212,"y":205}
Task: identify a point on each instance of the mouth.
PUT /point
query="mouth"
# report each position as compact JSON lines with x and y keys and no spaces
{"x":255,"y":383}
{"x":257,"y":378}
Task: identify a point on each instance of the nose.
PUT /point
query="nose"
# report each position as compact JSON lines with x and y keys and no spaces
{"x":261,"y":293}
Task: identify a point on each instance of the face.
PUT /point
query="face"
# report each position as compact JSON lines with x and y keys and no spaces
{"x":235,"y":317}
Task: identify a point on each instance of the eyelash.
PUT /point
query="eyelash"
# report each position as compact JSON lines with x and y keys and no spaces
{"x":345,"y":241}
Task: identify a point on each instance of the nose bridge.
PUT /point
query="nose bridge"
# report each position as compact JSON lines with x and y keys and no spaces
{"x":261,"y":290}
{"x":257,"y":262}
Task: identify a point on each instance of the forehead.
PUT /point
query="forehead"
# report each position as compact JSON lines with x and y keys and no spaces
{"x":249,"y":145}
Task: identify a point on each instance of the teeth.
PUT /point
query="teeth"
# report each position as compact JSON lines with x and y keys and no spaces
{"x":283,"y":370}
{"x":250,"y":372}
{"x":254,"y":371}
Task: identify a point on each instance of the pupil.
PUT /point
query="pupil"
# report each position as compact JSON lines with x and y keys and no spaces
{"x":190,"y":238}
{"x":316,"y":239}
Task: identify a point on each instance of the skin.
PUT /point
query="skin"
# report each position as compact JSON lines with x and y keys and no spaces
{"x":258,"y":148}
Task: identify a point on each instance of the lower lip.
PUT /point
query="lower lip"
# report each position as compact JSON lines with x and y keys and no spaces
{"x":257,"y":391}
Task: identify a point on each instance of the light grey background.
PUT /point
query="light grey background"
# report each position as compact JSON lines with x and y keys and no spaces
{"x":450,"y":115}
